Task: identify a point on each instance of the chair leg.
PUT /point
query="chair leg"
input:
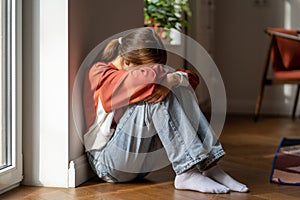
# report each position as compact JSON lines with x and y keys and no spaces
{"x":263,"y":81}
{"x":259,"y":101}
{"x":296,"y":102}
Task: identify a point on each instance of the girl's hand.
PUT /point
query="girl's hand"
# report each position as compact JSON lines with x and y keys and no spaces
{"x":161,"y":91}
{"x":171,"y":80}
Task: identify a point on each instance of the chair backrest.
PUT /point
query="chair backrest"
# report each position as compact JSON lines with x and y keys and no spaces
{"x":285,"y":50}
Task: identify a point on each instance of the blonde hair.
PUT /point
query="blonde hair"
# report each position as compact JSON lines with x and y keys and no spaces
{"x":141,"y":46}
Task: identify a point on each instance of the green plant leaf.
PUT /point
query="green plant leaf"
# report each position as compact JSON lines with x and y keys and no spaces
{"x":166,"y":14}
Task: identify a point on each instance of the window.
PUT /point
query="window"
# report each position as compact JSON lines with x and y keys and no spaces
{"x":10,"y":98}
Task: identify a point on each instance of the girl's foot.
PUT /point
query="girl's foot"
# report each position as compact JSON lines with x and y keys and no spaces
{"x":217,"y":174}
{"x":194,"y":180}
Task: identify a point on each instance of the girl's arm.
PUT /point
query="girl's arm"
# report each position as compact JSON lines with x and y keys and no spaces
{"x":119,"y":88}
{"x":181,"y":77}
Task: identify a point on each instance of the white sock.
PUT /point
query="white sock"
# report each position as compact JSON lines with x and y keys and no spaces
{"x":194,"y":180}
{"x":222,"y":177}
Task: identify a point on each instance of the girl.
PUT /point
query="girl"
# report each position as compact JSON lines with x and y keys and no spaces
{"x":140,"y":116}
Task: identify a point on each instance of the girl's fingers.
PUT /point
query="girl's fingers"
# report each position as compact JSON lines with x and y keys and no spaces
{"x":150,"y":98}
{"x":154,"y":98}
{"x":159,"y":99}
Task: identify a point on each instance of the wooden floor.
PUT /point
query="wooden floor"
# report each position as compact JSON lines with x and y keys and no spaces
{"x":250,"y":149}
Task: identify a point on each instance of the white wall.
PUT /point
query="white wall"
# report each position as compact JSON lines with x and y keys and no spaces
{"x":240,"y":52}
{"x":45,"y":92}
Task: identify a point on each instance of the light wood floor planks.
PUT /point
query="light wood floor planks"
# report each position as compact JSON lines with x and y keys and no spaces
{"x":250,"y":148}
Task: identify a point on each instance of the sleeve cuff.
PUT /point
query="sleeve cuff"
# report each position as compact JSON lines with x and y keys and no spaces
{"x":183,"y":79}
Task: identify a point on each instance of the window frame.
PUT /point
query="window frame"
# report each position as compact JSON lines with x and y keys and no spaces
{"x":11,"y":175}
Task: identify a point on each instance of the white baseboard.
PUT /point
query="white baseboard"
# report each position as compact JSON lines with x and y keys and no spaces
{"x":79,"y":171}
{"x":9,"y":188}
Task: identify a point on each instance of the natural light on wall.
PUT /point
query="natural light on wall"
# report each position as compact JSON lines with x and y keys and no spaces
{"x":287,"y":89}
{"x":290,"y":6}
{"x":287,"y":14}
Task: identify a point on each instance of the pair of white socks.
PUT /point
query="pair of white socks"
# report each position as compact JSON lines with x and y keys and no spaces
{"x":213,"y":180}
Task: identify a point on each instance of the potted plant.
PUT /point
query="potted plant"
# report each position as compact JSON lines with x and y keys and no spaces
{"x":165,"y":15}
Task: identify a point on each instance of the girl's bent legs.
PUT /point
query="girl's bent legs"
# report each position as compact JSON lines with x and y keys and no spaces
{"x":134,"y":149}
{"x":148,"y":136}
{"x":184,"y":131}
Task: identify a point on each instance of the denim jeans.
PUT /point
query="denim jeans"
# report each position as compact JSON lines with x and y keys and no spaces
{"x":150,"y":136}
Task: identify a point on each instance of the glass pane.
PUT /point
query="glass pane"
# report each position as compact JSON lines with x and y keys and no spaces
{"x":4,"y":85}
{"x":2,"y":136}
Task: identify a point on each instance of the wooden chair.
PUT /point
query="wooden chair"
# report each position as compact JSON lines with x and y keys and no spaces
{"x":284,"y":58}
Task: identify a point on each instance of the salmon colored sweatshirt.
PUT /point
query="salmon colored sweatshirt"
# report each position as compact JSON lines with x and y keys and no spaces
{"x":107,"y":90}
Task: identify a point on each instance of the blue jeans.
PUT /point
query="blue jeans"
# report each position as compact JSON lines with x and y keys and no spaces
{"x":150,"y":136}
